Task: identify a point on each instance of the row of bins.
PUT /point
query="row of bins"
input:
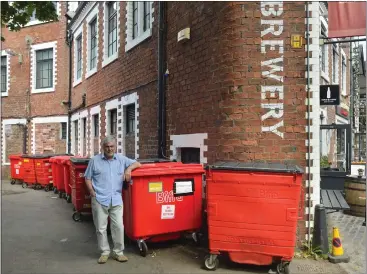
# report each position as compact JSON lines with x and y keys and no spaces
{"x":252,"y":209}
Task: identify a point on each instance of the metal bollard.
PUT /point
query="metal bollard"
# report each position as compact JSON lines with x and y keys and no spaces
{"x":320,"y":236}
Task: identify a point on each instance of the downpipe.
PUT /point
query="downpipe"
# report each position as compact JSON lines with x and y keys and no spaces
{"x":308,"y":121}
{"x":161,"y":81}
{"x":69,"y":42}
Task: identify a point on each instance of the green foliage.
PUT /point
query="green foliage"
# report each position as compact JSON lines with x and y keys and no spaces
{"x":18,"y":14}
{"x":307,"y":251}
{"x":324,"y":162}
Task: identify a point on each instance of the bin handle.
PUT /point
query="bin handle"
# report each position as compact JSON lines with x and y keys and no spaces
{"x":302,"y":200}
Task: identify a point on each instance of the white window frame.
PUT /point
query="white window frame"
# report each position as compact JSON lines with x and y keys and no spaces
{"x":82,"y":137}
{"x":35,"y":48}
{"x":325,"y":74}
{"x":37,"y":22}
{"x":74,"y":149}
{"x":336,"y":65}
{"x":109,"y":106}
{"x":107,"y":60}
{"x":143,"y":35}
{"x":61,"y":130}
{"x":94,"y":14}
{"x":4,"y":123}
{"x":126,"y":100}
{"x":94,"y":111}
{"x":4,"y":53}
{"x":77,"y":33}
{"x":343,"y":73}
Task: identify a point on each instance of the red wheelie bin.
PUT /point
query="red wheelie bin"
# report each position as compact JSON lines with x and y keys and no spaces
{"x":29,"y":171}
{"x":163,"y":202}
{"x":16,"y":169}
{"x":253,"y":210}
{"x":79,"y":193}
{"x":66,"y":164}
{"x":58,"y":174}
{"x":43,"y":172}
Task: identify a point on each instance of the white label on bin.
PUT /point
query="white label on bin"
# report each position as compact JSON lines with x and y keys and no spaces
{"x":183,"y":187}
{"x":17,"y":171}
{"x":168,"y":212}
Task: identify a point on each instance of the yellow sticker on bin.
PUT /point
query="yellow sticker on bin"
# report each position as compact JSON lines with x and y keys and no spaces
{"x":38,"y":164}
{"x":26,"y":160}
{"x":155,"y":187}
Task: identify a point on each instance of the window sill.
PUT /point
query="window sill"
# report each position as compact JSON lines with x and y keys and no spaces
{"x":77,"y":82}
{"x":43,"y":90}
{"x":109,"y":60}
{"x":91,"y":72}
{"x":6,"y":164}
{"x":133,"y":43}
{"x":4,"y":94}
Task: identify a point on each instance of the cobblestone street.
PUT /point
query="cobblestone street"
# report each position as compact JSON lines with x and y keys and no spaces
{"x":353,"y":236}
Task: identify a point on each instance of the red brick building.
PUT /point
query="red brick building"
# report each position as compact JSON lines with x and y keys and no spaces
{"x":235,"y":90}
{"x":34,"y":87}
{"x":232,"y":89}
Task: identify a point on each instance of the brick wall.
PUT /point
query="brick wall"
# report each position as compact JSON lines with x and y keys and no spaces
{"x":20,"y":103}
{"x":43,"y":104}
{"x":48,"y":139}
{"x":215,"y":81}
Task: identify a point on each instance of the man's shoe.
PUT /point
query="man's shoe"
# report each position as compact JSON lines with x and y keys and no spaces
{"x":119,"y":258}
{"x":103,"y":259}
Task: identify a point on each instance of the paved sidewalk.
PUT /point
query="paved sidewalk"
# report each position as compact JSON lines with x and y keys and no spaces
{"x":39,"y":236}
{"x":353,"y":236}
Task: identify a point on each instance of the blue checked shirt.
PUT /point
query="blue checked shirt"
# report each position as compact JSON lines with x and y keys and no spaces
{"x":107,"y":177}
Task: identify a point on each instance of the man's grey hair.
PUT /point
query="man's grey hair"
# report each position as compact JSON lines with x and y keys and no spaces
{"x":108,"y":139}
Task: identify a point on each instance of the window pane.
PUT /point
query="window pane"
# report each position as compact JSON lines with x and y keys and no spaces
{"x":135,"y":19}
{"x":44,"y":68}
{"x":146,"y":15}
{"x":3,"y":74}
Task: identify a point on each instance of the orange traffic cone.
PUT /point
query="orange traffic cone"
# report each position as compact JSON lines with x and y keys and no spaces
{"x":337,"y":254}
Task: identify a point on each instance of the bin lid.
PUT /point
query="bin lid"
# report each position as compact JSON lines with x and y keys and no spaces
{"x":261,"y":167}
{"x":153,"y":160}
{"x":167,"y":169}
{"x":79,"y":161}
{"x":36,"y":156}
{"x":15,"y":156}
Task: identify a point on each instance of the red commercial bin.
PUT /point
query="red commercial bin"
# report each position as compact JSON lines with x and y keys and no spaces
{"x":29,"y":171}
{"x":79,"y":193}
{"x":66,"y":170}
{"x":16,"y":168}
{"x":253,"y":211}
{"x":163,"y":202}
{"x":58,"y":174}
{"x":43,"y":171}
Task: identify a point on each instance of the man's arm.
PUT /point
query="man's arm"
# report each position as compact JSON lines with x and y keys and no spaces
{"x":88,"y":178}
{"x":129,"y":169}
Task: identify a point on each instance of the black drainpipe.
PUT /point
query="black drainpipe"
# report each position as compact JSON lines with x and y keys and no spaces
{"x":69,"y":43}
{"x":161,"y":81}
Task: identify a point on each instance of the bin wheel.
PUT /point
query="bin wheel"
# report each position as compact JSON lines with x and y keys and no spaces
{"x":211,"y":262}
{"x":55,"y":190}
{"x":24,"y":185}
{"x":12,"y":182}
{"x":77,"y":217}
{"x":47,"y":188}
{"x":283,"y":268}
{"x":68,"y":199}
{"x":38,"y":187}
{"x":143,"y":249}
{"x":60,"y":194}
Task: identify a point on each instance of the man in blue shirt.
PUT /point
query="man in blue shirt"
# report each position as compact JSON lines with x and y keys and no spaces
{"x":104,"y":178}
